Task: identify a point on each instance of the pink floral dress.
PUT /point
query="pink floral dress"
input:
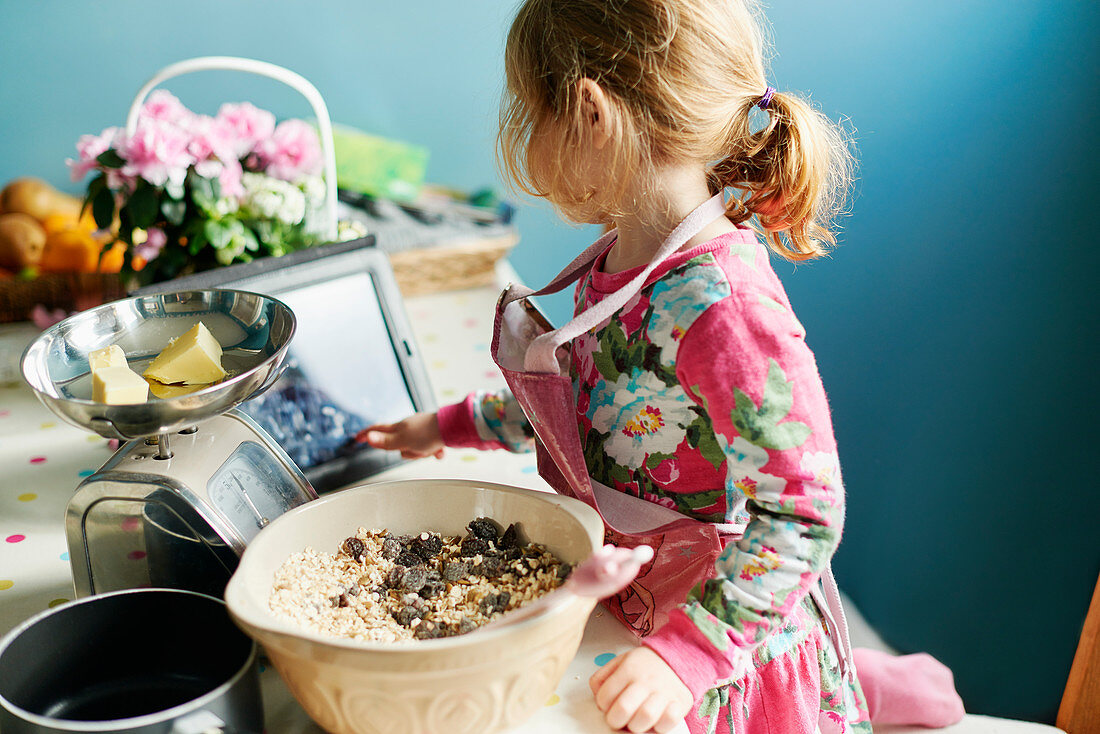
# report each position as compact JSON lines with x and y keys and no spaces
{"x":699,"y":393}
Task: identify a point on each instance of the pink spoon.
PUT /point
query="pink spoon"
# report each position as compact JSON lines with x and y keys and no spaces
{"x":602,"y":574}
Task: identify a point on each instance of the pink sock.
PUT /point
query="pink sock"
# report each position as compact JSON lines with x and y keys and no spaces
{"x":913,"y":690}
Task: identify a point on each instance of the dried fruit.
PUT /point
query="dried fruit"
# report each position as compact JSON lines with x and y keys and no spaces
{"x":428,"y":630}
{"x":391,"y":548}
{"x":406,"y":614}
{"x":414,"y":578}
{"x":564,"y":570}
{"x":491,"y":566}
{"x":491,"y":603}
{"x":510,"y":540}
{"x":396,"y":577}
{"x":484,"y":528}
{"x":433,"y":586}
{"x":454,"y":570}
{"x":408,"y":558}
{"x":427,"y":546}
{"x":354,"y":547}
{"x":473,"y":545}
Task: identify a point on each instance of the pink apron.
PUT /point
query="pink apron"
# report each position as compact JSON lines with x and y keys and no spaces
{"x":528,"y":352}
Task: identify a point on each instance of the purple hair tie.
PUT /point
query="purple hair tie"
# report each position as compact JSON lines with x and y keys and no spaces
{"x":766,"y":98}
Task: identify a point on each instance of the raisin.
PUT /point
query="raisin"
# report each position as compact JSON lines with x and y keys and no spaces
{"x":473,"y":545}
{"x":484,"y":528}
{"x":466,"y":625}
{"x":354,"y":547}
{"x":353,"y":590}
{"x":414,"y":578}
{"x":427,"y":546}
{"x":491,"y":567}
{"x":391,"y":548}
{"x":428,"y":630}
{"x":491,"y":603}
{"x":396,"y":577}
{"x":454,"y":570}
{"x":408,"y":558}
{"x":342,"y":600}
{"x":432,"y":588}
{"x":564,"y":570}
{"x":405,"y":615}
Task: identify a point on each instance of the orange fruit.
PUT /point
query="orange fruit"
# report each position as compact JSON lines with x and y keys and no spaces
{"x":68,"y":251}
{"x":111,"y":260}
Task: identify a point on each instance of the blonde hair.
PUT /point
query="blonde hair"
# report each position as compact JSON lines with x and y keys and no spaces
{"x":683,"y":77}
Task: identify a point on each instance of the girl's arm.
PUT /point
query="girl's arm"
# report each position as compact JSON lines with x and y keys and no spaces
{"x":486,"y":420}
{"x":746,"y":363}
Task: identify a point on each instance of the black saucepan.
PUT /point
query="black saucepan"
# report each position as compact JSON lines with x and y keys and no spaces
{"x":154,"y":661}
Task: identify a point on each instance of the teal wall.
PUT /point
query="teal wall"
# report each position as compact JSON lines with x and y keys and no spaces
{"x":955,"y":327}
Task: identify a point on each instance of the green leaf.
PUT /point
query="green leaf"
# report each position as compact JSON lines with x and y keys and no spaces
{"x":173,"y":211}
{"x":110,"y":159}
{"x":217,"y":234}
{"x":778,"y":394}
{"x":761,"y":426}
{"x":103,"y":208}
{"x":143,"y":206}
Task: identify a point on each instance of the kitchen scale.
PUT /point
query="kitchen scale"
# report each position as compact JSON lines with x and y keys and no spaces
{"x":195,"y":479}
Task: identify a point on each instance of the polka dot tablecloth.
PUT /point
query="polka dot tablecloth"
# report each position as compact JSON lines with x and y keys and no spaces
{"x":44,"y":459}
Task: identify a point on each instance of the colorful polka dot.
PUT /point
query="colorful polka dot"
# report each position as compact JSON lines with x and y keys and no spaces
{"x":470,"y":457}
{"x":85,"y":473}
{"x":492,"y":374}
{"x":529,"y":470}
{"x":555,"y":699}
{"x":28,"y":497}
{"x":470,"y":323}
{"x":131,"y":524}
{"x":430,"y":338}
{"x":4,"y":413}
{"x":47,"y":426}
{"x":6,"y":584}
{"x":448,"y":393}
{"x":57,"y":603}
{"x":38,"y":459}
{"x":604,"y":658}
{"x":481,"y":347}
{"x":64,"y":556}
{"x":135,"y":555}
{"x":438,"y":364}
{"x":17,"y":538}
{"x":94,"y":439}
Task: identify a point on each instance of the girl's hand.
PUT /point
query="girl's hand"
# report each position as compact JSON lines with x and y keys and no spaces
{"x":415,"y":437}
{"x":639,"y":692}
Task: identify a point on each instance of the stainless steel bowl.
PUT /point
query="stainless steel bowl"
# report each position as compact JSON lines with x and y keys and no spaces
{"x":253,"y":330}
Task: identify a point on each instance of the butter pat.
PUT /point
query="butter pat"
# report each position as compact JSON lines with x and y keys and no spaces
{"x":111,"y":356}
{"x":193,"y":359}
{"x":166,"y":392}
{"x":118,"y":386}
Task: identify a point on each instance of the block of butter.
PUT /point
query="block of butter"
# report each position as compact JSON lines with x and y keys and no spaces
{"x":111,"y":356}
{"x":192,"y":359}
{"x":166,"y":392}
{"x":118,"y":386}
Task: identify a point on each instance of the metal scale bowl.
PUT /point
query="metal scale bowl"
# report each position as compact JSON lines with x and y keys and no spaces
{"x":196,"y":479}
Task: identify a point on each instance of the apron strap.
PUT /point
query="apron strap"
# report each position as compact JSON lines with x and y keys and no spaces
{"x":540,"y":355}
{"x":827,"y":596}
{"x":581,"y":263}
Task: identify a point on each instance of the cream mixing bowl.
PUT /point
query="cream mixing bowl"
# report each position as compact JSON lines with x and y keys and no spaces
{"x":476,"y":683}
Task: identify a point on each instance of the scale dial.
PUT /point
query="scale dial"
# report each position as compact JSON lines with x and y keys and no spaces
{"x":252,"y":488}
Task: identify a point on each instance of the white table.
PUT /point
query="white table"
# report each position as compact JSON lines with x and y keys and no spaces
{"x":44,"y":459}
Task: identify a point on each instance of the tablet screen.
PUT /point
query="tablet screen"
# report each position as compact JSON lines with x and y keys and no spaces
{"x":342,"y":373}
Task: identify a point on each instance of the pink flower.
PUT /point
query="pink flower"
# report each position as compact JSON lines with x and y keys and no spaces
{"x":230,"y":178}
{"x":157,"y":152}
{"x":155,"y":240}
{"x":291,"y":153}
{"x":245,"y":125}
{"x":163,"y":105}
{"x":90,"y":147}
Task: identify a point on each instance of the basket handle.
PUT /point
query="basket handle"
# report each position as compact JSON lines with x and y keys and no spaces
{"x":273,"y":71}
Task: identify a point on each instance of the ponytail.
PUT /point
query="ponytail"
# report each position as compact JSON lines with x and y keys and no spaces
{"x":792,"y":175}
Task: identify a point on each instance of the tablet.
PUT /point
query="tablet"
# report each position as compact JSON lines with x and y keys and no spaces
{"x":353,"y":361}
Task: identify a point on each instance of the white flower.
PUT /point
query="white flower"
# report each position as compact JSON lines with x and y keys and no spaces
{"x":680,"y":299}
{"x":270,"y":198}
{"x":824,"y":466}
{"x":640,"y":415}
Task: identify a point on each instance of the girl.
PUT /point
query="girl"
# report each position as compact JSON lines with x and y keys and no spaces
{"x":682,"y":402}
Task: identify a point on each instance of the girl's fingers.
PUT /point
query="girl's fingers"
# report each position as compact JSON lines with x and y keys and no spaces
{"x":601,"y":675}
{"x":626,"y":705}
{"x":648,"y":713}
{"x":672,"y":716}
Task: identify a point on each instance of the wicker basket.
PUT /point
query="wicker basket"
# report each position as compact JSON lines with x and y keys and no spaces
{"x":454,"y":265}
{"x":66,"y":291}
